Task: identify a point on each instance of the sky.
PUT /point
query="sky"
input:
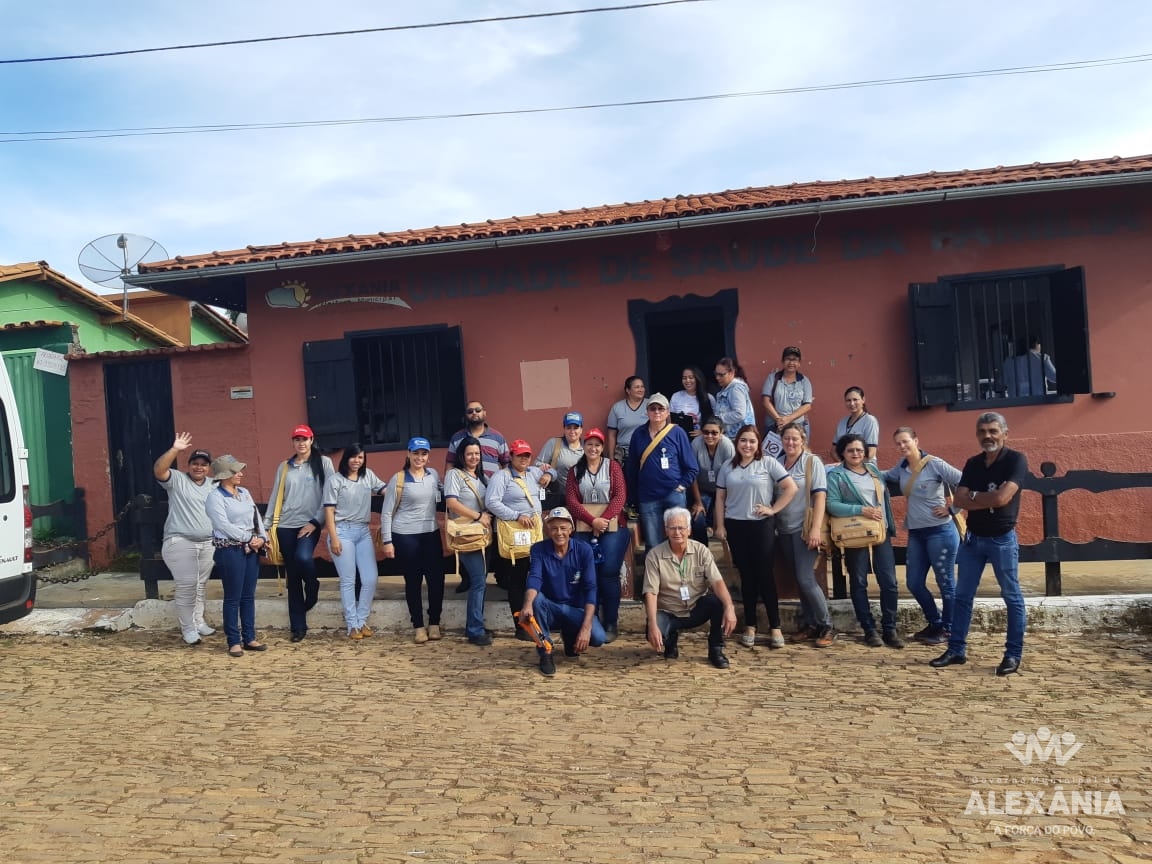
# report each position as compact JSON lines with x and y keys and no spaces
{"x":196,"y":193}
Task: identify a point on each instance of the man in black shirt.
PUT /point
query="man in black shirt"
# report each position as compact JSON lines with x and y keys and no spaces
{"x":990,"y":491}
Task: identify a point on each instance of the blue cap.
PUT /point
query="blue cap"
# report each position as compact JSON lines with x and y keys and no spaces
{"x":573,"y":418}
{"x":418,"y":443}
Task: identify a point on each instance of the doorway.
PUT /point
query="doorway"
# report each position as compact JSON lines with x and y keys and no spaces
{"x":679,"y":332}
{"x":138,"y":399}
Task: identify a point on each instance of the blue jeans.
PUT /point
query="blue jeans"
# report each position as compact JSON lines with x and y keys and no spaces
{"x":238,"y":574}
{"x":1003,"y":553}
{"x":568,"y":618}
{"x":421,"y":556}
{"x":357,"y":553}
{"x":613,"y":547}
{"x":652,"y":517}
{"x":701,"y":523}
{"x":475,"y":567}
{"x":884,"y":565}
{"x":813,"y":604}
{"x":933,"y":548}
{"x":300,"y":574}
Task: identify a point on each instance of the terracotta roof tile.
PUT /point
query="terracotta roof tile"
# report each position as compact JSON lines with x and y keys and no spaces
{"x":163,"y":352}
{"x":33,"y":325}
{"x":682,"y":206}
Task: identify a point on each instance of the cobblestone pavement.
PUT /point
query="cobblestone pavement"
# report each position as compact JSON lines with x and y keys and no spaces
{"x":128,"y":748}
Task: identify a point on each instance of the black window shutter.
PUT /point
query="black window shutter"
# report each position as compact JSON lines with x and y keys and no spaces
{"x":932,"y":306}
{"x":451,"y":385}
{"x":1070,"y":352}
{"x":330,"y":391}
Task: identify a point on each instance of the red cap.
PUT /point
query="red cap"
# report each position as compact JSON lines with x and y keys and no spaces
{"x":520,"y":446}
{"x":302,"y":431}
{"x":595,"y":432}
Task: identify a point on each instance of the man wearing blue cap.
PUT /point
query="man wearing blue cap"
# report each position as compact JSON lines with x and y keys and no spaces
{"x":562,"y":589}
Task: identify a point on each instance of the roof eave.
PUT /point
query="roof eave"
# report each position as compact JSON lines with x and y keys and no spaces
{"x":751,"y":214}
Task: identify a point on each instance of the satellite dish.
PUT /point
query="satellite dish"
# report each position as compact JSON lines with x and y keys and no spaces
{"x":108,"y":259}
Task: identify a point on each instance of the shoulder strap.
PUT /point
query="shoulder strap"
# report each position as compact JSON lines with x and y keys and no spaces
{"x":807,"y":457}
{"x":652,"y":444}
{"x":468,"y":483}
{"x":555,"y":450}
{"x":916,"y":473}
{"x":519,"y":481}
{"x":280,"y":483}
{"x":399,"y":491}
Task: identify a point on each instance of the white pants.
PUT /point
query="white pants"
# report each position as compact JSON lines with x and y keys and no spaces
{"x":190,"y":562}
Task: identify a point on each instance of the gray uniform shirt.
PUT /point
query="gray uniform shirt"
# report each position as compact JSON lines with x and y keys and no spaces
{"x":303,"y":495}
{"x":563,"y":461}
{"x":186,"y":515}
{"x":234,"y":517}
{"x":626,"y":421}
{"x":748,"y":486}
{"x":352,"y":499}
{"x":791,"y":518}
{"x":468,"y":490}
{"x":710,"y":465}
{"x":417,"y":511}
{"x":930,"y":490}
{"x":867,"y":427}
{"x":596,"y":487}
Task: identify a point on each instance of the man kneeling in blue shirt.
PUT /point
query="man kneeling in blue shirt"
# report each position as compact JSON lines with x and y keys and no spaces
{"x":562,"y":589}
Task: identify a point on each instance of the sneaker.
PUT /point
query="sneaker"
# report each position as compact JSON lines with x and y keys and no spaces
{"x":776,"y":640}
{"x":872,"y":639}
{"x":672,"y":644}
{"x":933,"y":634}
{"x":806,"y":633}
{"x":610,"y":634}
{"x":892,"y":639}
{"x":420,"y":635}
{"x":569,"y":652}
{"x":483,"y":640}
{"x":717,"y":658}
{"x":547,"y":665}
{"x":825,"y":637}
{"x":191,"y":637}
{"x":204,"y":630}
{"x":748,"y":637}
{"x":434,"y":632}
{"x":298,"y":635}
{"x":356,"y":633}
{"x":366,"y":631}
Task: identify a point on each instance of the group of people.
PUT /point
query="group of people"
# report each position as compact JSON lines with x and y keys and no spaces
{"x":685,"y":468}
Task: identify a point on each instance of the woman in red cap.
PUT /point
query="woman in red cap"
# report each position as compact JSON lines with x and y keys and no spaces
{"x":514,"y":495}
{"x":296,"y":513}
{"x":595,"y":496}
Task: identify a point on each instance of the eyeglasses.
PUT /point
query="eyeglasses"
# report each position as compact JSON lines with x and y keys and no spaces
{"x":720,"y":373}
{"x":657,"y":408}
{"x":474,"y":411}
{"x":854,"y":452}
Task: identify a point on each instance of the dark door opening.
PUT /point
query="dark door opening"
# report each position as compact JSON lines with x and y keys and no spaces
{"x":680,"y":332}
{"x":138,"y":397}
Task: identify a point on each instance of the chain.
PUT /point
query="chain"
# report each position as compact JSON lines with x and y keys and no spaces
{"x":90,"y":572}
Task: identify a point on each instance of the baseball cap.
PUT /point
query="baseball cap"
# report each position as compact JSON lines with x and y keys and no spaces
{"x":790,"y":351}
{"x":595,"y":432}
{"x":658,"y":399}
{"x":224,"y":467}
{"x":573,"y":418}
{"x":200,"y":454}
{"x":559,"y":513}
{"x":418,"y":443}
{"x":303,"y":431}
{"x":520,"y":446}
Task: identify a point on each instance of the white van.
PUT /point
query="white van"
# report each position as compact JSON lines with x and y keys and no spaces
{"x":17,"y":581}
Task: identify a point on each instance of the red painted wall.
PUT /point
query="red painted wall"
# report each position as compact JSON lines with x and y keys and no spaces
{"x":835,"y":286}
{"x":201,"y":381}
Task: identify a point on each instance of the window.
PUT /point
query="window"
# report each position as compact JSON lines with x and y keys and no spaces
{"x":381,"y":387}
{"x":975,"y":338}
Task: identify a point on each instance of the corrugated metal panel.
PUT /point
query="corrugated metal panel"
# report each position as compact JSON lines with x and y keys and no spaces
{"x":46,"y":417}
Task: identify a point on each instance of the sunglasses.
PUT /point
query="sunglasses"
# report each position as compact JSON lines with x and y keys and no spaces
{"x":474,"y":411}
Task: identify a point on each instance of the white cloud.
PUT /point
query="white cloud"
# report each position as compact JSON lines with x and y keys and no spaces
{"x":196,"y":193}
